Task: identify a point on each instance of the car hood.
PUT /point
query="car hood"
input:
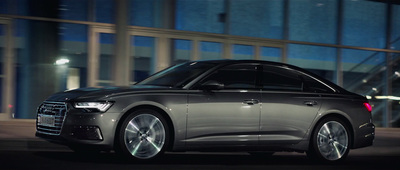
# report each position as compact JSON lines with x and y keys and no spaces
{"x":94,"y":94}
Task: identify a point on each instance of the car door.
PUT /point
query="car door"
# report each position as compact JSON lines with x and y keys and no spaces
{"x":226,"y":116}
{"x":288,"y":109}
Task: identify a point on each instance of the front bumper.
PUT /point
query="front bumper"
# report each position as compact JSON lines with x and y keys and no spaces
{"x":78,"y":128}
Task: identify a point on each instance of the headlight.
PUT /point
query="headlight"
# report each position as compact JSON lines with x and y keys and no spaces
{"x":100,"y":106}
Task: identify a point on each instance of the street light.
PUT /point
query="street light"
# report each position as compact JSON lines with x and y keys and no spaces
{"x":61,"y":61}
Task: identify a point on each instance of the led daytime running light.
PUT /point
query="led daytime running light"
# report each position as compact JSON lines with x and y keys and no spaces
{"x":101,"y":106}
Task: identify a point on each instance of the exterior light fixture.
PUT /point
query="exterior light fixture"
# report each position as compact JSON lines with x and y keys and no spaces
{"x":61,"y":61}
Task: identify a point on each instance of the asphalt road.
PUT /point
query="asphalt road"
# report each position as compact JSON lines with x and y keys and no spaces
{"x":11,"y":160}
{"x":19,"y":149}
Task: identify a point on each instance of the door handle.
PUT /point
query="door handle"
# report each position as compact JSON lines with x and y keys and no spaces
{"x":251,"y":101}
{"x":310,"y":103}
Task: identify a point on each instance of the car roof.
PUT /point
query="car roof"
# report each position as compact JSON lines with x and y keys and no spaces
{"x":231,"y":61}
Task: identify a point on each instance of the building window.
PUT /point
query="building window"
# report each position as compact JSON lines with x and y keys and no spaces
{"x":105,"y":11}
{"x":210,"y":50}
{"x":199,"y":15}
{"x":364,"y":23}
{"x":181,"y":51}
{"x":38,"y":47}
{"x":146,"y":13}
{"x":271,"y":54}
{"x":256,"y":18}
{"x":319,"y":60}
{"x":243,"y":52}
{"x":364,"y":73}
{"x":313,"y":20}
{"x":74,"y":9}
{"x":106,"y":59}
{"x":395,"y":34}
{"x":5,"y":6}
{"x":142,"y":57}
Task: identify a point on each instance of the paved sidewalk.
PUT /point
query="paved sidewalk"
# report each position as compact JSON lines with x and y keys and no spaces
{"x":19,"y":134}
{"x":18,"y":129}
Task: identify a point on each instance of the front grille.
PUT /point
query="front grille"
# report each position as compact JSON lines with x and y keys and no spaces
{"x":50,"y":117}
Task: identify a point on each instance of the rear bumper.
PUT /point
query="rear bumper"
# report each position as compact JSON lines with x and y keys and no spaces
{"x":364,"y":136}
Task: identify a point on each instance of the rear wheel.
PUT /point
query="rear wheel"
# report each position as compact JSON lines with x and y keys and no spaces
{"x":330,"y":141}
{"x":143,"y":135}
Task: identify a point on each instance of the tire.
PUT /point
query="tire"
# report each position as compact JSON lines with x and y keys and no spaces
{"x":143,"y":135}
{"x":330,"y":141}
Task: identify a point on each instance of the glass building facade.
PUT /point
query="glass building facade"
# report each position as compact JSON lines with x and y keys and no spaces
{"x":48,"y":46}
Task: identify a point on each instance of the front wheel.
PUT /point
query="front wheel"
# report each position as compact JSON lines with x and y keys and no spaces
{"x":330,"y":141}
{"x":144,"y":135}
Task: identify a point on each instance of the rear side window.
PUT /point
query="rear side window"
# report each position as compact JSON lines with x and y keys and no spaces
{"x":284,"y":79}
{"x":312,"y":85}
{"x":280,"y":79}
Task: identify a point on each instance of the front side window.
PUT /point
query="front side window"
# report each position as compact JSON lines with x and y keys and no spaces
{"x":235,"y":76}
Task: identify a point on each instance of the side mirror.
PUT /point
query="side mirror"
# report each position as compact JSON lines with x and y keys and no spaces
{"x":212,"y":85}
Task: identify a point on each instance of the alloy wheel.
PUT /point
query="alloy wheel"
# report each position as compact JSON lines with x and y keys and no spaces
{"x":332,"y":140}
{"x":144,"y":136}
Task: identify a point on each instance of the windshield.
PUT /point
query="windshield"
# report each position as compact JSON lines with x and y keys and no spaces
{"x":178,"y":75}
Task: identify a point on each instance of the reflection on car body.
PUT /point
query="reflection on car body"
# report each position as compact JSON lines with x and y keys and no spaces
{"x":228,"y":105}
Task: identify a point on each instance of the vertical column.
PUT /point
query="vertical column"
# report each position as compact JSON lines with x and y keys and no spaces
{"x":91,"y":10}
{"x":257,"y":52}
{"x":227,"y":46}
{"x":339,"y":72}
{"x":8,"y":80}
{"x":195,"y":50}
{"x":285,"y":30}
{"x":168,"y":14}
{"x":389,"y":68}
{"x":387,"y":113}
{"x":227,"y":50}
{"x":284,"y":52}
{"x":121,"y":60}
{"x":9,"y":72}
{"x":163,"y":51}
{"x":93,"y":52}
{"x":227,"y":16}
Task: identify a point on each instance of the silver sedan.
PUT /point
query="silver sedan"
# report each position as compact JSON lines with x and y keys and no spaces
{"x":221,"y":105}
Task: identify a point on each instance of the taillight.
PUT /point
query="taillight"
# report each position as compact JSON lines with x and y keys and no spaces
{"x":368,"y":106}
